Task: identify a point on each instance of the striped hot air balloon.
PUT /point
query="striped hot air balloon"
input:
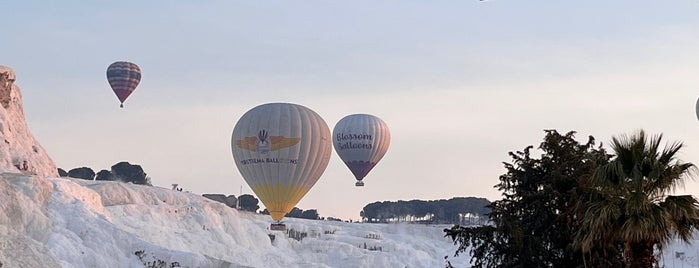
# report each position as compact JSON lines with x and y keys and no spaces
{"x":361,"y":140}
{"x":281,"y":150}
{"x":123,"y":77}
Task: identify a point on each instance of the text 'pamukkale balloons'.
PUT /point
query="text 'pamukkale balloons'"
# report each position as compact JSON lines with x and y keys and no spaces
{"x":361,"y":140}
{"x":123,"y":77}
{"x":281,"y":149}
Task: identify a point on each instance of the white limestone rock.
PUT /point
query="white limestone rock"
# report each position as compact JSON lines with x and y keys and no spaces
{"x":20,"y":152}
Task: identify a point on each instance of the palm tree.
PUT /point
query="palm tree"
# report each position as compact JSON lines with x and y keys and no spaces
{"x":629,"y":207}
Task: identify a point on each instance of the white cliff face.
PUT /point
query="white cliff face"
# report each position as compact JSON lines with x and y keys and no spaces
{"x":20,"y":152}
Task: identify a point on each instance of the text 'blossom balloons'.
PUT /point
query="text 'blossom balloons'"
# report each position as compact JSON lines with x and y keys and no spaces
{"x":361,"y":140}
{"x":281,"y":150}
{"x":123,"y":77}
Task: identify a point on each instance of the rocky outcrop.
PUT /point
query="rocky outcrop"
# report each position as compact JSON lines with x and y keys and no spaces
{"x":20,"y":152}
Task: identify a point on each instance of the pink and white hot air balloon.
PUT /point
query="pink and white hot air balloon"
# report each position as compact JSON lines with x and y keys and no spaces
{"x":361,"y":140}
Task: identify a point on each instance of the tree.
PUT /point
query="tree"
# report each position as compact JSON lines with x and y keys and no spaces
{"x":104,"y":175}
{"x":294,"y":213}
{"x":630,"y":207}
{"x":248,"y":203}
{"x":311,"y":214}
{"x":130,"y":173}
{"x":85,"y":173}
{"x":443,"y":211}
{"x":534,"y":222}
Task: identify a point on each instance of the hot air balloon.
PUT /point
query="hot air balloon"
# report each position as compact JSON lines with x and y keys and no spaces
{"x":281,"y":150}
{"x":361,"y":140}
{"x":123,"y":77}
{"x":697,"y":108}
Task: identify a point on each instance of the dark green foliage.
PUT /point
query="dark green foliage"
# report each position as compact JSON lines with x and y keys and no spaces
{"x":434,"y":211}
{"x":481,"y":241}
{"x":534,"y":222}
{"x":127,"y":172}
{"x":294,"y":213}
{"x":105,"y":175}
{"x":248,"y":202}
{"x":629,"y":206}
{"x":310,"y":214}
{"x":84,"y":173}
{"x":123,"y":171}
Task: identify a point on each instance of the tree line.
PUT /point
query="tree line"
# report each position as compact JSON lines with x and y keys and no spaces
{"x":454,"y":210}
{"x":248,"y":202}
{"x":576,"y":205}
{"x":122,"y":171}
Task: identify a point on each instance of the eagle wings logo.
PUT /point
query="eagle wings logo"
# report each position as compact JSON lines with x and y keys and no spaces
{"x":264,"y":143}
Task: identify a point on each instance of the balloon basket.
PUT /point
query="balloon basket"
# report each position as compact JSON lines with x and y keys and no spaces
{"x":277,"y":227}
{"x":359,"y":184}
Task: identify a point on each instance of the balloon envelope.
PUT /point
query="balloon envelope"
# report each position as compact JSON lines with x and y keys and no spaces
{"x":123,"y":77}
{"x":361,"y":140}
{"x":281,"y":150}
{"x":697,"y":108}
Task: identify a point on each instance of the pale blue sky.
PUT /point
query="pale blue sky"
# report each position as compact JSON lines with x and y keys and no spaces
{"x":460,"y":83}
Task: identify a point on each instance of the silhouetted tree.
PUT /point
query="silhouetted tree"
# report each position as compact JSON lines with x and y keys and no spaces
{"x":130,"y":173}
{"x":248,"y":203}
{"x":311,"y":214}
{"x":85,"y":173}
{"x":632,"y":206}
{"x":298,"y":213}
{"x":105,"y":175}
{"x":439,"y":211}
{"x":534,"y":223}
{"x":62,"y":172}
{"x":294,"y":213}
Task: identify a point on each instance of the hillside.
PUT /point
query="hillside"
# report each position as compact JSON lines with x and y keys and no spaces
{"x":61,"y":222}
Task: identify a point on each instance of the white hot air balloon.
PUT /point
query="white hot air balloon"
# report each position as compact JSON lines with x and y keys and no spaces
{"x":361,"y":140}
{"x":281,"y":150}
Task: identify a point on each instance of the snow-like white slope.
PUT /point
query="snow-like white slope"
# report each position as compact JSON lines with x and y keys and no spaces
{"x":19,"y":151}
{"x":61,"y":222}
